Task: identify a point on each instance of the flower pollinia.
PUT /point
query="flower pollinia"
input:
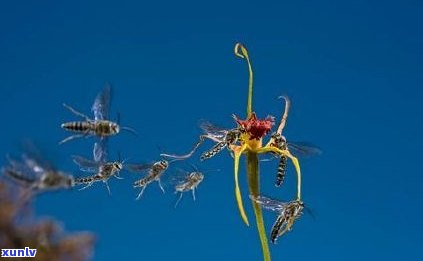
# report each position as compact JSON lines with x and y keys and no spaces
{"x":251,"y":144}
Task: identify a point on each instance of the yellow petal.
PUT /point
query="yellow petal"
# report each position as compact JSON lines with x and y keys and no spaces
{"x":237,"y":190}
{"x":293,"y":159}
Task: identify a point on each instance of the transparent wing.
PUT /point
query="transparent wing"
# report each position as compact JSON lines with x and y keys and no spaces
{"x":212,"y":129}
{"x":86,"y":164}
{"x":102,"y":103}
{"x":33,"y":157}
{"x":303,"y":149}
{"x":139,"y":167}
{"x":18,"y":176}
{"x":270,"y":204}
{"x":176,"y":177}
{"x":100,"y":151}
{"x":19,"y":167}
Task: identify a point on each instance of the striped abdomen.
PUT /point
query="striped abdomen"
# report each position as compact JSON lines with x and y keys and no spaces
{"x":280,"y":175}
{"x":277,"y":226}
{"x":214,"y":150}
{"x":88,"y":180}
{"x":144,"y":181}
{"x":79,"y":126}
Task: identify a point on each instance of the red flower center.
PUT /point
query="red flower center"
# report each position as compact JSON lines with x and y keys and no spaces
{"x":256,"y":128}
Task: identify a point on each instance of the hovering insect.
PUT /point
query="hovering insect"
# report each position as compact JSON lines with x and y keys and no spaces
{"x":191,"y":182}
{"x":188,"y":181}
{"x":37,"y":174}
{"x":154,"y":172}
{"x":288,"y":212}
{"x":99,"y":126}
{"x":279,"y":141}
{"x":100,"y":166}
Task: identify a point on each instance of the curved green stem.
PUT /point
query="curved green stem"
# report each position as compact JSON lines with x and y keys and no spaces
{"x":254,"y":186}
{"x":241,"y":51}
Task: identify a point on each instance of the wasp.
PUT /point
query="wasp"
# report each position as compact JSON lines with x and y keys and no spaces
{"x":100,"y":126}
{"x":288,"y":212}
{"x":37,"y":174}
{"x":231,"y":137}
{"x":154,"y":172}
{"x":103,"y":170}
{"x":279,"y":141}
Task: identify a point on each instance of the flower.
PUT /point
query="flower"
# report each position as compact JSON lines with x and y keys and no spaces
{"x":250,"y":143}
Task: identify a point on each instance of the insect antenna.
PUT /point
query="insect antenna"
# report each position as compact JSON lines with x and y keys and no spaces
{"x":128,"y":129}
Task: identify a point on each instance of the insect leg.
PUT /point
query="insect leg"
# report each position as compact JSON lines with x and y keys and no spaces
{"x":160,"y":185}
{"x":193,"y":150}
{"x":179,"y":199}
{"x":107,"y":186}
{"x":85,"y":134}
{"x":141,"y":192}
{"x":193,"y":193}
{"x":88,"y":185}
{"x":77,"y":113}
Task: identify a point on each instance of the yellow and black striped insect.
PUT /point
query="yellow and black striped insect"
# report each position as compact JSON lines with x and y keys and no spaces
{"x":298,"y":148}
{"x":103,"y":170}
{"x":154,"y":172}
{"x":288,"y":212}
{"x":100,"y":126}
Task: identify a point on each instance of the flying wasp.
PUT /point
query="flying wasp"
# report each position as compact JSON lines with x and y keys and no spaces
{"x":154,"y":173}
{"x":288,"y":212}
{"x":100,"y":126}
{"x":37,"y":174}
{"x":103,"y":170}
{"x":188,"y":181}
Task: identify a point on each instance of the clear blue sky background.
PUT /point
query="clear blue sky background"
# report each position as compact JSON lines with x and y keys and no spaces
{"x":353,"y":71}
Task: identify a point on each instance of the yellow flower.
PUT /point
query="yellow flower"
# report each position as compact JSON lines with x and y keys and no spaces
{"x":251,"y":144}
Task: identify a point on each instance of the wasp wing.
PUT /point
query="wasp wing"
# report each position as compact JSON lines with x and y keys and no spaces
{"x":138,"y":167}
{"x":101,"y":104}
{"x":212,"y":130}
{"x":270,"y":204}
{"x":34,"y":159}
{"x":304,"y":149}
{"x":100,"y":151}
{"x":86,"y":164}
{"x":18,"y":176}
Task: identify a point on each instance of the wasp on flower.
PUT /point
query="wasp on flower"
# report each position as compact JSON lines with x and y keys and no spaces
{"x":247,"y":139}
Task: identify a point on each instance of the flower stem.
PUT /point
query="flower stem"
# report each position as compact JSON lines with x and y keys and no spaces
{"x":254,"y":186}
{"x":242,"y":52}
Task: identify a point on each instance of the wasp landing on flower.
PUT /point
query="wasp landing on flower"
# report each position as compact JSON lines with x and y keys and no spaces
{"x":247,"y":139}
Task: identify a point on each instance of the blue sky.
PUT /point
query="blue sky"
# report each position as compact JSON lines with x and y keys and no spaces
{"x":352,"y":70}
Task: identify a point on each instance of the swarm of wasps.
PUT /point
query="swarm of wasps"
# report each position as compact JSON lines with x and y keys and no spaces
{"x":37,"y":175}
